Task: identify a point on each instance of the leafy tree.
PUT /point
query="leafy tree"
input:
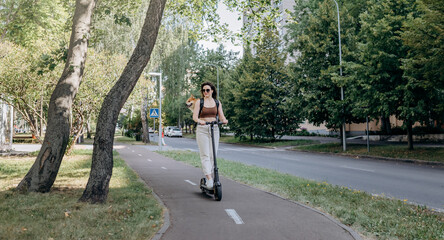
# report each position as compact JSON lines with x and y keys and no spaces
{"x":378,"y":74}
{"x":24,"y":85}
{"x":423,"y":71}
{"x":244,"y":98}
{"x":313,"y":41}
{"x":260,"y":96}
{"x":23,"y":21}
{"x":100,"y":75}
{"x":42,"y":174}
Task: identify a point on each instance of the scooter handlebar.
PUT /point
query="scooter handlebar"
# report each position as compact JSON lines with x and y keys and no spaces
{"x":214,"y":123}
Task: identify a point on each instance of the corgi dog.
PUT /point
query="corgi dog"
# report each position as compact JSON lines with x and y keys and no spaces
{"x":191,"y":102}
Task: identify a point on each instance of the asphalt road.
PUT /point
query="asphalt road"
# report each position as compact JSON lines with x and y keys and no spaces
{"x":243,"y":213}
{"x":418,"y":184}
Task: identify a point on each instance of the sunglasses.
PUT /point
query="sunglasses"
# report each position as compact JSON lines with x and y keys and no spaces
{"x":206,"y":90}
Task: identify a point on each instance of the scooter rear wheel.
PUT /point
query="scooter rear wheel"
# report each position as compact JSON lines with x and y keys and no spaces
{"x":218,"y":192}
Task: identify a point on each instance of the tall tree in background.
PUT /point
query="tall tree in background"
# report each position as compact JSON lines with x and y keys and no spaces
{"x":42,"y":174}
{"x":24,"y":86}
{"x":275,"y":116}
{"x":245,"y":99}
{"x":378,"y":73}
{"x":423,"y":92}
{"x":313,"y":41}
{"x":24,"y":22}
{"x":262,"y":88}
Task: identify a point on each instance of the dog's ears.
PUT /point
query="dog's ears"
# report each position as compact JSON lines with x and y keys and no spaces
{"x":192,"y":95}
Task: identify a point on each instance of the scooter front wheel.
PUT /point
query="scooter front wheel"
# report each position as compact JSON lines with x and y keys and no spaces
{"x":218,"y":192}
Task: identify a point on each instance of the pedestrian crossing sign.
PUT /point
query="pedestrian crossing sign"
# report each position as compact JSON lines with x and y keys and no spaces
{"x":154,"y":113}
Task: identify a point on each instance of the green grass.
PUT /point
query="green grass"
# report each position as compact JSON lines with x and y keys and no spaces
{"x":391,"y":151}
{"x":374,"y":217}
{"x":131,"y":211}
{"x":127,"y":140}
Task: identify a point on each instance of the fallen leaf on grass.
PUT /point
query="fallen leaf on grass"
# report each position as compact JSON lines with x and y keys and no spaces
{"x":67,"y":214}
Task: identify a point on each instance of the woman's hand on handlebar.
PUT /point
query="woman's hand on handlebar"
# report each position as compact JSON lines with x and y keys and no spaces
{"x":224,"y":121}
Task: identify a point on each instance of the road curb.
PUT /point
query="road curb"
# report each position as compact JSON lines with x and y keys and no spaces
{"x":166,"y":218}
{"x":412,"y":161}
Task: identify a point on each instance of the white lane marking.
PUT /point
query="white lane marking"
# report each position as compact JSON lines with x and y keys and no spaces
{"x":149,"y":160}
{"x":359,"y":169}
{"x":164,"y":168}
{"x":188,"y":181}
{"x":233,"y":214}
{"x":140,"y":155}
{"x":132,"y":150}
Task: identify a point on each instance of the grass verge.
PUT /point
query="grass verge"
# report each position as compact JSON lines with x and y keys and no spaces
{"x":128,"y":140}
{"x":131,"y":211}
{"x":391,"y":151}
{"x":374,"y":217}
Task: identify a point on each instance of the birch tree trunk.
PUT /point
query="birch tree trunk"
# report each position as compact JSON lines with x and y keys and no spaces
{"x":102,"y":161}
{"x":43,"y":173}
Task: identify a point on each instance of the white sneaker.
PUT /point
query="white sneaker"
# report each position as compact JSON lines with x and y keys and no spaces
{"x":210,"y":183}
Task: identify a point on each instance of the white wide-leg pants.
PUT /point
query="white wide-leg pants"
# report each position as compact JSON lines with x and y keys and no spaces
{"x":203,"y":137}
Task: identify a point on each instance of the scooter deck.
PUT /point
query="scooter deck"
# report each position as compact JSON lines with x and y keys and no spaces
{"x":204,"y":188}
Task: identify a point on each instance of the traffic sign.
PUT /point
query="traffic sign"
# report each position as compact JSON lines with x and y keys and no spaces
{"x":154,"y":113}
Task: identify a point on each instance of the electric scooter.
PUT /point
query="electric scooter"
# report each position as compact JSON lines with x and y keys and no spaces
{"x":216,"y":191}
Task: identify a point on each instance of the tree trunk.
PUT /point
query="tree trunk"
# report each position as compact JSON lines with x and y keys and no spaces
{"x":88,"y":127}
{"x":410,"y":135}
{"x":42,"y":174}
{"x":102,"y":161}
{"x":385,"y":125}
{"x":145,"y":130}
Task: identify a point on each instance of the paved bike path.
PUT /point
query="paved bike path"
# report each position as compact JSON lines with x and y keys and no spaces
{"x":243,"y":213}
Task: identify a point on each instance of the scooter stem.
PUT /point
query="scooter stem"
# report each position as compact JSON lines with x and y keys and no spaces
{"x":216,"y":170}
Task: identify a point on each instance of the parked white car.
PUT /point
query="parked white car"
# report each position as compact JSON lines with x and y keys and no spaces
{"x":167,"y":130}
{"x":175,"y":132}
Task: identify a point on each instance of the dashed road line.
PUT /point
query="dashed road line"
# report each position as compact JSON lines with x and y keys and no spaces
{"x":164,"y":168}
{"x":149,"y":160}
{"x":233,"y":214}
{"x":359,"y":169}
{"x":188,"y":181}
{"x":140,"y":155}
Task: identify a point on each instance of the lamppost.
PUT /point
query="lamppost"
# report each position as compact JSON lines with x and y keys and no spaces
{"x":217,"y":70}
{"x":344,"y":146}
{"x":160,"y":107}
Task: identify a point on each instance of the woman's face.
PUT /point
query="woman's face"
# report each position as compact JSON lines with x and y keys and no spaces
{"x":206,"y":91}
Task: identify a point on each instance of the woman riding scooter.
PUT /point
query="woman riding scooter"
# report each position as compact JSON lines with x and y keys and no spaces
{"x":210,"y":110}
